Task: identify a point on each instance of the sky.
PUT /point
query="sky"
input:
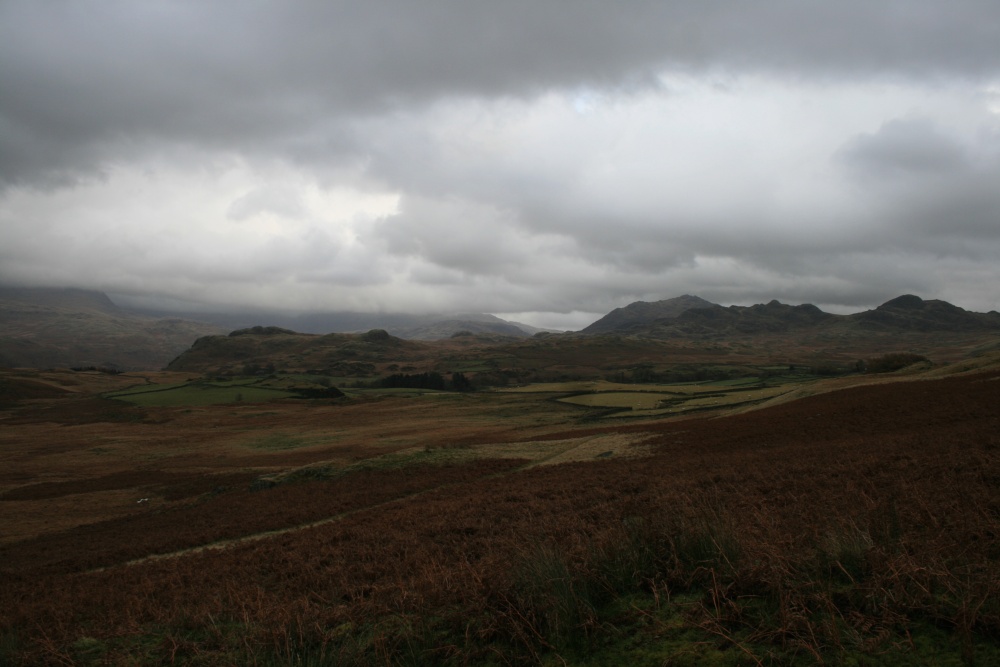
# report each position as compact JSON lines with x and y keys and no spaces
{"x":543,"y":160}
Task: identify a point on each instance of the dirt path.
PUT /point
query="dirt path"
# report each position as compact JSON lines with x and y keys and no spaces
{"x":578,"y":449}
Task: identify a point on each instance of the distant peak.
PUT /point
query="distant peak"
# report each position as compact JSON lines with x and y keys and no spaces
{"x":906,"y":301}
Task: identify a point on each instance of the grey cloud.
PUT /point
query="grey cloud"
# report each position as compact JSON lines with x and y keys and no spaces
{"x":929,"y":191}
{"x":455,"y":234}
{"x":82,"y":81}
{"x":909,"y":146}
{"x":561,"y":213}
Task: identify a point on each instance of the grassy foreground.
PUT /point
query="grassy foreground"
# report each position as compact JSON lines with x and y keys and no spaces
{"x":854,"y":527}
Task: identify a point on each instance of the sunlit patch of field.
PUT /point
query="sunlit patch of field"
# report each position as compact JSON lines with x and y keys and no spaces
{"x":618,"y":399}
{"x":731,"y":398}
{"x":679,"y":399}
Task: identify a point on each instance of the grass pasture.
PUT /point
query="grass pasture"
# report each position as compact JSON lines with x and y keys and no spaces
{"x":625,"y":400}
{"x":198,"y":394}
{"x":651,"y":400}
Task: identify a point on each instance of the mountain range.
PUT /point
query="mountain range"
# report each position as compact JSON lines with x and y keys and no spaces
{"x":677,"y":318}
{"x":43,"y":327}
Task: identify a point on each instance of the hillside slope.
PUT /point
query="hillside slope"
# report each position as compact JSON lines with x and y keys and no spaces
{"x":643,"y":312}
{"x":45,"y":328}
{"x":905,"y":314}
{"x":267,"y":349}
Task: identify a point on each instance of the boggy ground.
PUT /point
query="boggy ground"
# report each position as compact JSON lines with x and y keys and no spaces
{"x":859,"y":525}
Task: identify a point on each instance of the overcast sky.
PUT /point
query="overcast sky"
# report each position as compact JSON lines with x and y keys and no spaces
{"x":544,"y":160}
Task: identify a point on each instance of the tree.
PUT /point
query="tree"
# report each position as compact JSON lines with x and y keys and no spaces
{"x":460,"y":383}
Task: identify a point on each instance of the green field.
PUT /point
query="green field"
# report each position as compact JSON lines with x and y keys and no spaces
{"x":636,"y":399}
{"x":650,"y":400}
{"x":197,"y":394}
{"x":650,"y":403}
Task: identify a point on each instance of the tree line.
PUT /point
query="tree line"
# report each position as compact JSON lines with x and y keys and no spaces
{"x":429,"y":380}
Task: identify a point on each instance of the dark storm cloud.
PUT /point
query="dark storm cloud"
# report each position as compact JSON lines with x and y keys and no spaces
{"x":83,"y":82}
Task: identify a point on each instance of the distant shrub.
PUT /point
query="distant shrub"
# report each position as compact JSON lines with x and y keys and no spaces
{"x":827,"y":370}
{"x":430,"y":380}
{"x":888,"y":363}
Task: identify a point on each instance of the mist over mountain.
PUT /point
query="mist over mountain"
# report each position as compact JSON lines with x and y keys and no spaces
{"x":70,"y":327}
{"x":431,"y":326}
{"x":42,"y":327}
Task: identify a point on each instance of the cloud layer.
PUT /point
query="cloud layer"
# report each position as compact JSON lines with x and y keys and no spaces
{"x":548,"y":159}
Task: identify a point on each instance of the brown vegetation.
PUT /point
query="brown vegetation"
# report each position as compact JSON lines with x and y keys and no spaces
{"x":853,"y":522}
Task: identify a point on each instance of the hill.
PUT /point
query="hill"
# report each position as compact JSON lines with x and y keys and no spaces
{"x":770,"y":317}
{"x":713,"y":343}
{"x":904,"y":314}
{"x":911,"y":313}
{"x":643,"y":312}
{"x":43,"y":328}
{"x":269,"y":349}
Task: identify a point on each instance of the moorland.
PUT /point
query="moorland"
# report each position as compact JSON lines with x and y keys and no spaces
{"x":729,"y":487}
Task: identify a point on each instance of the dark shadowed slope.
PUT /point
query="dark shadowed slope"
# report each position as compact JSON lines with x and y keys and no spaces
{"x":644,"y":312}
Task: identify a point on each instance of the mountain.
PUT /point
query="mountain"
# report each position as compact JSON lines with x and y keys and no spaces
{"x":771,"y":317}
{"x":267,"y":349}
{"x":644,"y":312}
{"x":696,"y":343}
{"x":72,"y":327}
{"x":42,"y":328}
{"x":68,"y":298}
{"x":911,"y":313}
{"x":904,"y":314}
